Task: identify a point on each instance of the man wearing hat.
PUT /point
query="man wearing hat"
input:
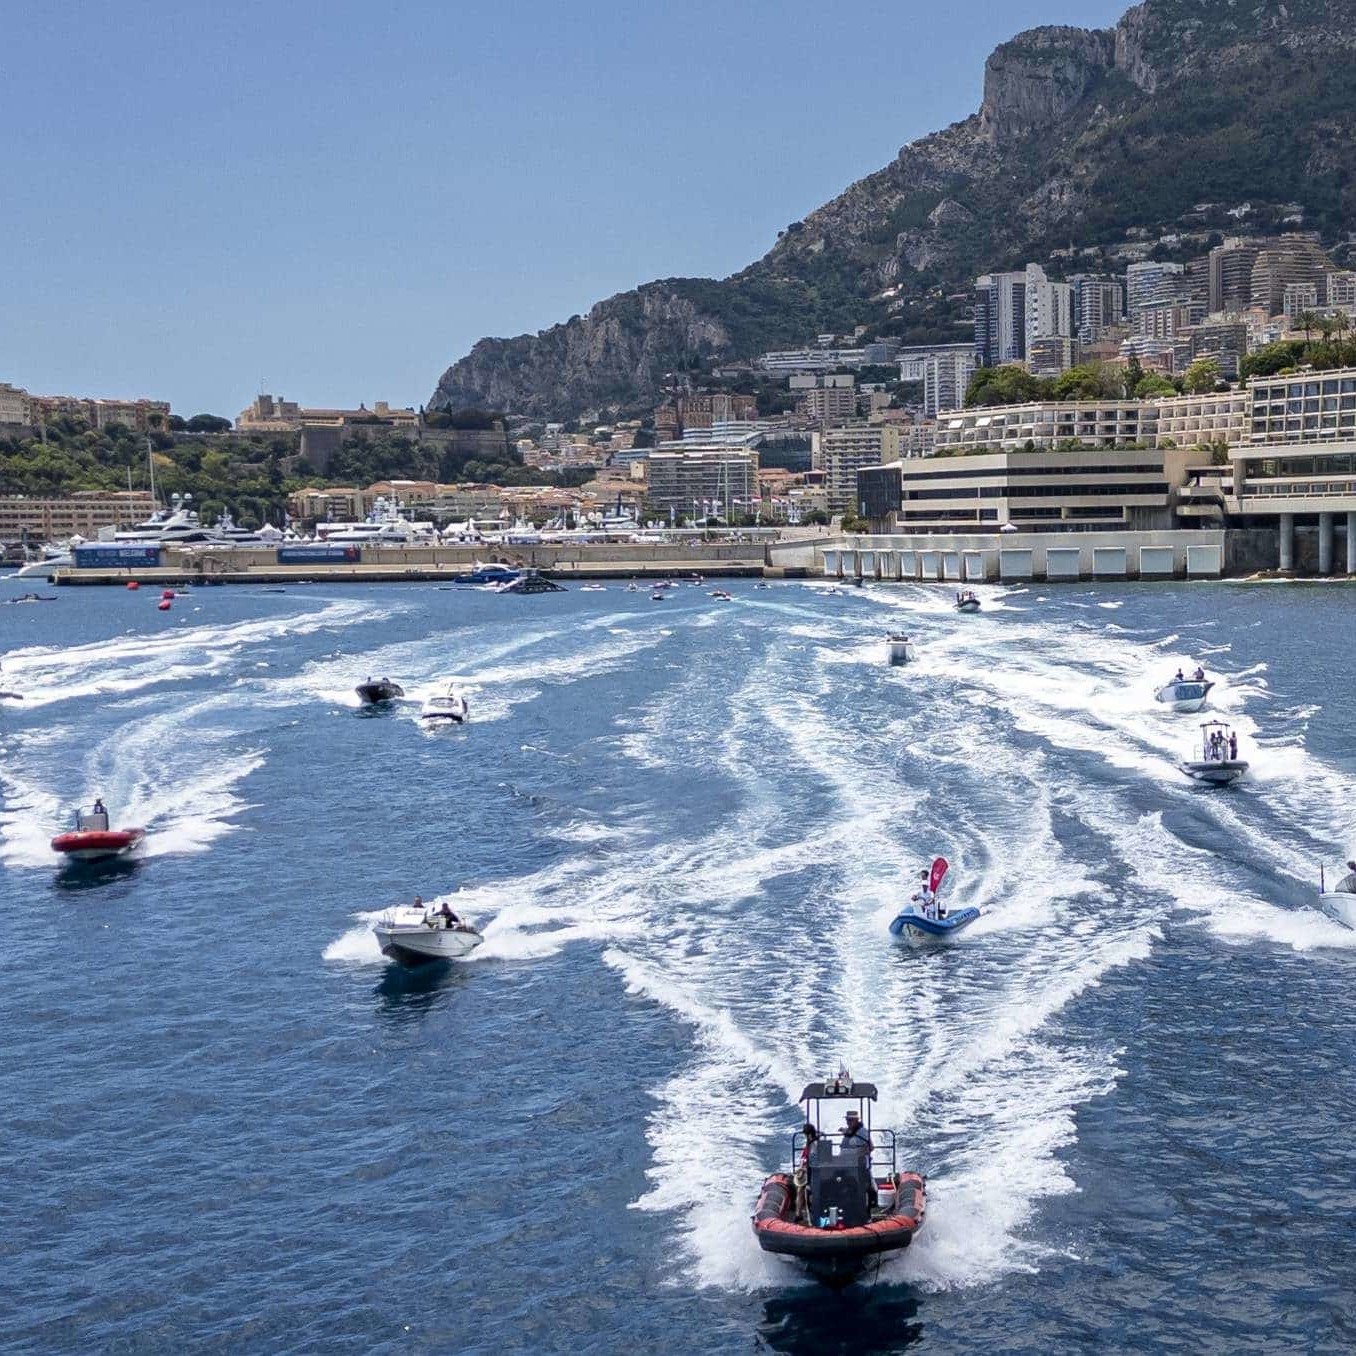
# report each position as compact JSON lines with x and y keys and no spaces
{"x":856,"y":1138}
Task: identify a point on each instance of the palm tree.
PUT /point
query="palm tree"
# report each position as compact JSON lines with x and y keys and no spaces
{"x":1306,"y":320}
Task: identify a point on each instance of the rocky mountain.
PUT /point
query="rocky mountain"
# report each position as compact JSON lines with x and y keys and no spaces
{"x":1082,"y":136}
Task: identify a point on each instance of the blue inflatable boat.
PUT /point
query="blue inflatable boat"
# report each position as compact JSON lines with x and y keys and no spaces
{"x":910,"y":926}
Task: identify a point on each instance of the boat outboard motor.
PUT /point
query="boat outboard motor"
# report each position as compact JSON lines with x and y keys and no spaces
{"x":840,"y":1182}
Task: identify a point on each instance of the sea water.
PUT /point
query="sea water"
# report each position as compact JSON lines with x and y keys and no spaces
{"x":228,"y":1124}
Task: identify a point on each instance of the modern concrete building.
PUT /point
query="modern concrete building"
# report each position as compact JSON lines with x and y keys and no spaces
{"x":1191,"y":420}
{"x":1286,"y":260}
{"x":1050,"y":355}
{"x":1000,"y":318}
{"x":1306,"y":407}
{"x":1148,"y":283}
{"x":824,"y":404}
{"x":1091,"y":490}
{"x":692,"y":480}
{"x":846,"y":450}
{"x":1231,"y":274}
{"x":946,"y":377}
{"x":1098,"y":304}
{"x":1049,"y":308}
{"x":1296,"y":486}
{"x":1112,"y":423}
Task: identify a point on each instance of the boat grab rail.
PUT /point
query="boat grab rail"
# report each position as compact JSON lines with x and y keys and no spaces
{"x":882,"y":1148}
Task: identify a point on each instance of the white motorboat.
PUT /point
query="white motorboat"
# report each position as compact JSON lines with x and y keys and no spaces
{"x":1339,"y":902}
{"x":450,"y":707}
{"x":413,"y":936}
{"x":900,"y":648}
{"x":1340,"y":906}
{"x":1184,"y":694}
{"x":1215,"y":759}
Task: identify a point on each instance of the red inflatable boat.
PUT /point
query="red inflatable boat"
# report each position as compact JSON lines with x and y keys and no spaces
{"x":833,"y":1212}
{"x":93,"y":841}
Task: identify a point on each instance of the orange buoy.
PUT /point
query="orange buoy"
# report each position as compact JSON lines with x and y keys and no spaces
{"x":132,"y":584}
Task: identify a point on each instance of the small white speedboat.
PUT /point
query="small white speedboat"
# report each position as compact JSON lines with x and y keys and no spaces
{"x":1184,"y":694}
{"x":900,"y":648}
{"x":1340,"y":906}
{"x":1215,"y":760}
{"x":413,"y":936}
{"x":451,"y":706}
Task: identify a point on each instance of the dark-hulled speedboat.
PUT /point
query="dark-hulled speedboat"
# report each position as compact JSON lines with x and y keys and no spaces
{"x":1215,"y":760}
{"x":92,"y":840}
{"x":375,"y":691}
{"x":967,"y":600}
{"x":834,"y":1211}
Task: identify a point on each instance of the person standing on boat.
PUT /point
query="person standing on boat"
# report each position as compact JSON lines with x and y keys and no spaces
{"x":1177,"y":677}
{"x":856,"y":1140}
{"x":925,"y":898}
{"x":1233,"y":747}
{"x":450,"y":919}
{"x":1199,"y":675}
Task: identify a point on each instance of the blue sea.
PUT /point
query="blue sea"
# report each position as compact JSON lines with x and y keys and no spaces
{"x":227,"y":1124}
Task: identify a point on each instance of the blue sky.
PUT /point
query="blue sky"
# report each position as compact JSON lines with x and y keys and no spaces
{"x":337,"y":199}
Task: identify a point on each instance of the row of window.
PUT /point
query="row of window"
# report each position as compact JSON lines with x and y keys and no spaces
{"x":1339,"y":464}
{"x":1159,"y":490}
{"x":1016,"y":472}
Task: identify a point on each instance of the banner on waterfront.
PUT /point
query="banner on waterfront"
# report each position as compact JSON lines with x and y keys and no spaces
{"x":122,"y":556}
{"x":319,"y":555}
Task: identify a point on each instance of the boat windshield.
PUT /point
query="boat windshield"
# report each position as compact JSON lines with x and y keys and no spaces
{"x":92,"y":821}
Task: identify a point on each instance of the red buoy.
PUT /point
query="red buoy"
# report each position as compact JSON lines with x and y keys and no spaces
{"x":132,"y":584}
{"x":167,"y":593}
{"x":163,"y":605}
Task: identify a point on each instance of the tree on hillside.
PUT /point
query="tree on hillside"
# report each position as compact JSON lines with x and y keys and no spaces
{"x":1153,"y":384}
{"x":1202,"y":376}
{"x":1090,"y":381}
{"x":1009,"y":385}
{"x":208,"y":423}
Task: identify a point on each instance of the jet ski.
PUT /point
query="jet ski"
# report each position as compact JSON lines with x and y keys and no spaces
{"x":92,"y":840}
{"x":834,"y":1210}
{"x":414,"y":935}
{"x":450,"y":707}
{"x":376,"y":691}
{"x":1184,"y":694}
{"x":1211,"y":762}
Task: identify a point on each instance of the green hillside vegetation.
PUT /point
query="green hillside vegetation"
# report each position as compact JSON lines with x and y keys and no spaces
{"x":250,"y":476}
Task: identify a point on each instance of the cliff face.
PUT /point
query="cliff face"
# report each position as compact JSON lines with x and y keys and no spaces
{"x":1081,"y":135}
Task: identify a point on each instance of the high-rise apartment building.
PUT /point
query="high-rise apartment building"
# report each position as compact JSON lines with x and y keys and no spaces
{"x":946,"y":375}
{"x":1000,"y":318}
{"x":1149,"y":282}
{"x":1098,"y":304}
{"x":1049,"y":307}
{"x":1231,"y":274}
{"x":1286,"y":260}
{"x":845,"y":451}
